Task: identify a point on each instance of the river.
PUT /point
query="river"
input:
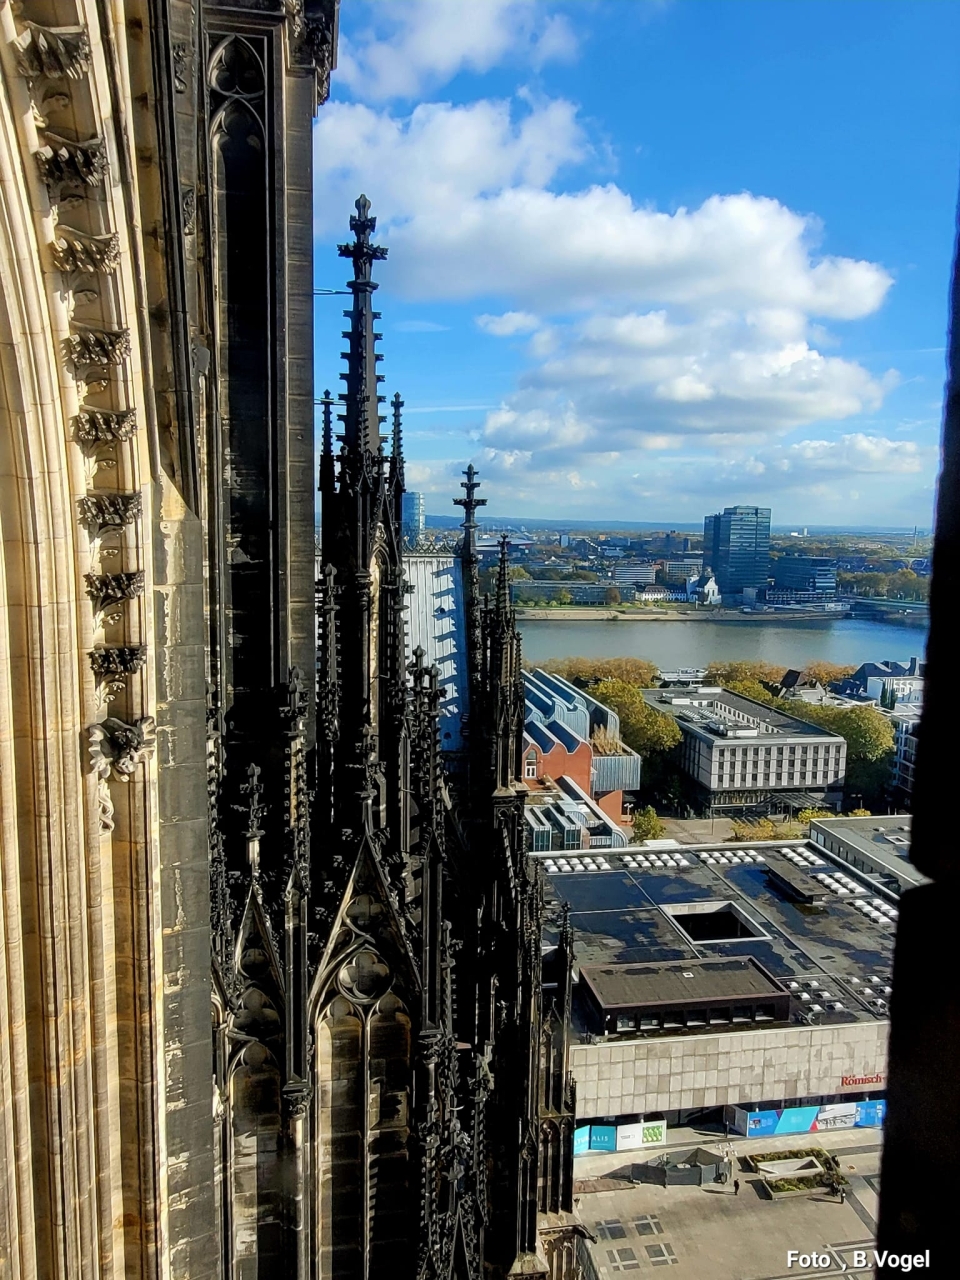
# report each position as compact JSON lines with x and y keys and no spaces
{"x":848,"y":641}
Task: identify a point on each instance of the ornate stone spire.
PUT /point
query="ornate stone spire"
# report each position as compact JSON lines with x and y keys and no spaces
{"x":396,"y":452}
{"x":327,"y":469}
{"x":503,"y":580}
{"x":254,"y":809}
{"x":469,"y":504}
{"x":361,"y":418}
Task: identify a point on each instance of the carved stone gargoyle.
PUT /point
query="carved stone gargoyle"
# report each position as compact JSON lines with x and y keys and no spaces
{"x":116,"y":748}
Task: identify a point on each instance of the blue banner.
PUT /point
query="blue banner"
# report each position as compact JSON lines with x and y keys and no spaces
{"x":581,"y":1140}
{"x":871,"y":1113}
{"x":603,"y":1137}
{"x":766,"y":1124}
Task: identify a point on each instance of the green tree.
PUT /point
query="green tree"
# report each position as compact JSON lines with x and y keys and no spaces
{"x":647,"y":825}
{"x":585,"y":672}
{"x":612,"y":595}
{"x":563,"y":597}
{"x":826,"y":672}
{"x":869,"y":737}
{"x":726,"y":673}
{"x":750,"y":689}
{"x":806,"y":816}
{"x":745,"y":832}
{"x":644,"y":729}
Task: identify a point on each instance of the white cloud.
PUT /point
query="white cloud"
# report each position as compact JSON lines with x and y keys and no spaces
{"x":463,"y":197}
{"x":427,"y":42}
{"x":441,"y":162}
{"x":646,"y":328}
{"x":859,"y":453}
{"x":508,"y":324}
{"x":420,"y":326}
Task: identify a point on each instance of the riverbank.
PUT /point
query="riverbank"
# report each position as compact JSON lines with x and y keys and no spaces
{"x":584,"y":613}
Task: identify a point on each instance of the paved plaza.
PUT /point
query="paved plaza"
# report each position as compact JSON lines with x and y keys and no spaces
{"x":708,"y":1233}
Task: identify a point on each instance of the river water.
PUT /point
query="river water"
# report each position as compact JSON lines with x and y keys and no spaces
{"x":695,"y":644}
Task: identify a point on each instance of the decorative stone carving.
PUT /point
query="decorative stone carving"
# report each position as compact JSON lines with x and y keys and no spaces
{"x":319,"y":41}
{"x":180,"y":55}
{"x":99,"y":347}
{"x":76,"y":251}
{"x":295,"y":17}
{"x":53,"y":52}
{"x":116,"y":749}
{"x":62,"y":163}
{"x":110,"y":511}
{"x":94,"y":427}
{"x":106,"y":589}
{"x":111,"y":668}
{"x":188,"y":201}
{"x":297,"y":1095}
{"x":310,"y":24}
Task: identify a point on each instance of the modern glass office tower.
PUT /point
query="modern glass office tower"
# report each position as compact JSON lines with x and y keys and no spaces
{"x":736,"y":546}
{"x":414,"y":519}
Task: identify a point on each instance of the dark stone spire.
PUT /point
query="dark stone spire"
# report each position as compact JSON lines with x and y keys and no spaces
{"x":396,"y":452}
{"x":361,"y":418}
{"x":327,"y":468}
{"x":471,"y":575}
{"x":469,"y":504}
{"x":503,"y":580}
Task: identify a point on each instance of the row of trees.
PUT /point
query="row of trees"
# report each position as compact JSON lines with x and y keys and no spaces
{"x":903,"y":584}
{"x":610,"y":596}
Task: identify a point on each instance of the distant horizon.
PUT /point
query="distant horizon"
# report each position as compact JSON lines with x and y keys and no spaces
{"x":653,"y":526}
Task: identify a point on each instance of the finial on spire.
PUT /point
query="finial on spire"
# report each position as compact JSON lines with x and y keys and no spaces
{"x":254,"y":811}
{"x":470,"y":504}
{"x":362,"y":251}
{"x":361,"y":418}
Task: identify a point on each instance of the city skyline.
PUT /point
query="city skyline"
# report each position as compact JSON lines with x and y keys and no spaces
{"x":626,"y":308}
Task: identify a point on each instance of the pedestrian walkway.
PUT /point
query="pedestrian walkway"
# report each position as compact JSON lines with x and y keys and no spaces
{"x":852,"y":1141}
{"x":708,"y":1233}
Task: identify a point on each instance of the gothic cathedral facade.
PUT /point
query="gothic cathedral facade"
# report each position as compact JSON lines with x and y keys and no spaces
{"x":275,"y":994}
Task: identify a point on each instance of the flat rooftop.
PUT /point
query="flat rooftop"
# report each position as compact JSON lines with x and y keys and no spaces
{"x":631,"y":906}
{"x":701,"y":709}
{"x":884,"y":840}
{"x":680,"y":982}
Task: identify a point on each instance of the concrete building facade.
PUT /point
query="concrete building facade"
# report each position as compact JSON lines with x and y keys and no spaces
{"x":737,"y":752}
{"x":777,"y":1065}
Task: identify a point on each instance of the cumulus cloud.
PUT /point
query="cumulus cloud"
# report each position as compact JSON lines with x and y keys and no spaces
{"x":643,"y":329}
{"x":508,"y":324}
{"x":858,"y":453}
{"x":464,"y":195}
{"x":711,"y":374}
{"x":421,"y":44}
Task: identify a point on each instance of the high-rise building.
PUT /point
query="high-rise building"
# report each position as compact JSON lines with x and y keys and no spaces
{"x":413,"y":517}
{"x":736,"y":546}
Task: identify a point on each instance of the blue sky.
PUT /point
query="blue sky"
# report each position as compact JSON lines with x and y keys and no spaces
{"x":650,"y":259}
